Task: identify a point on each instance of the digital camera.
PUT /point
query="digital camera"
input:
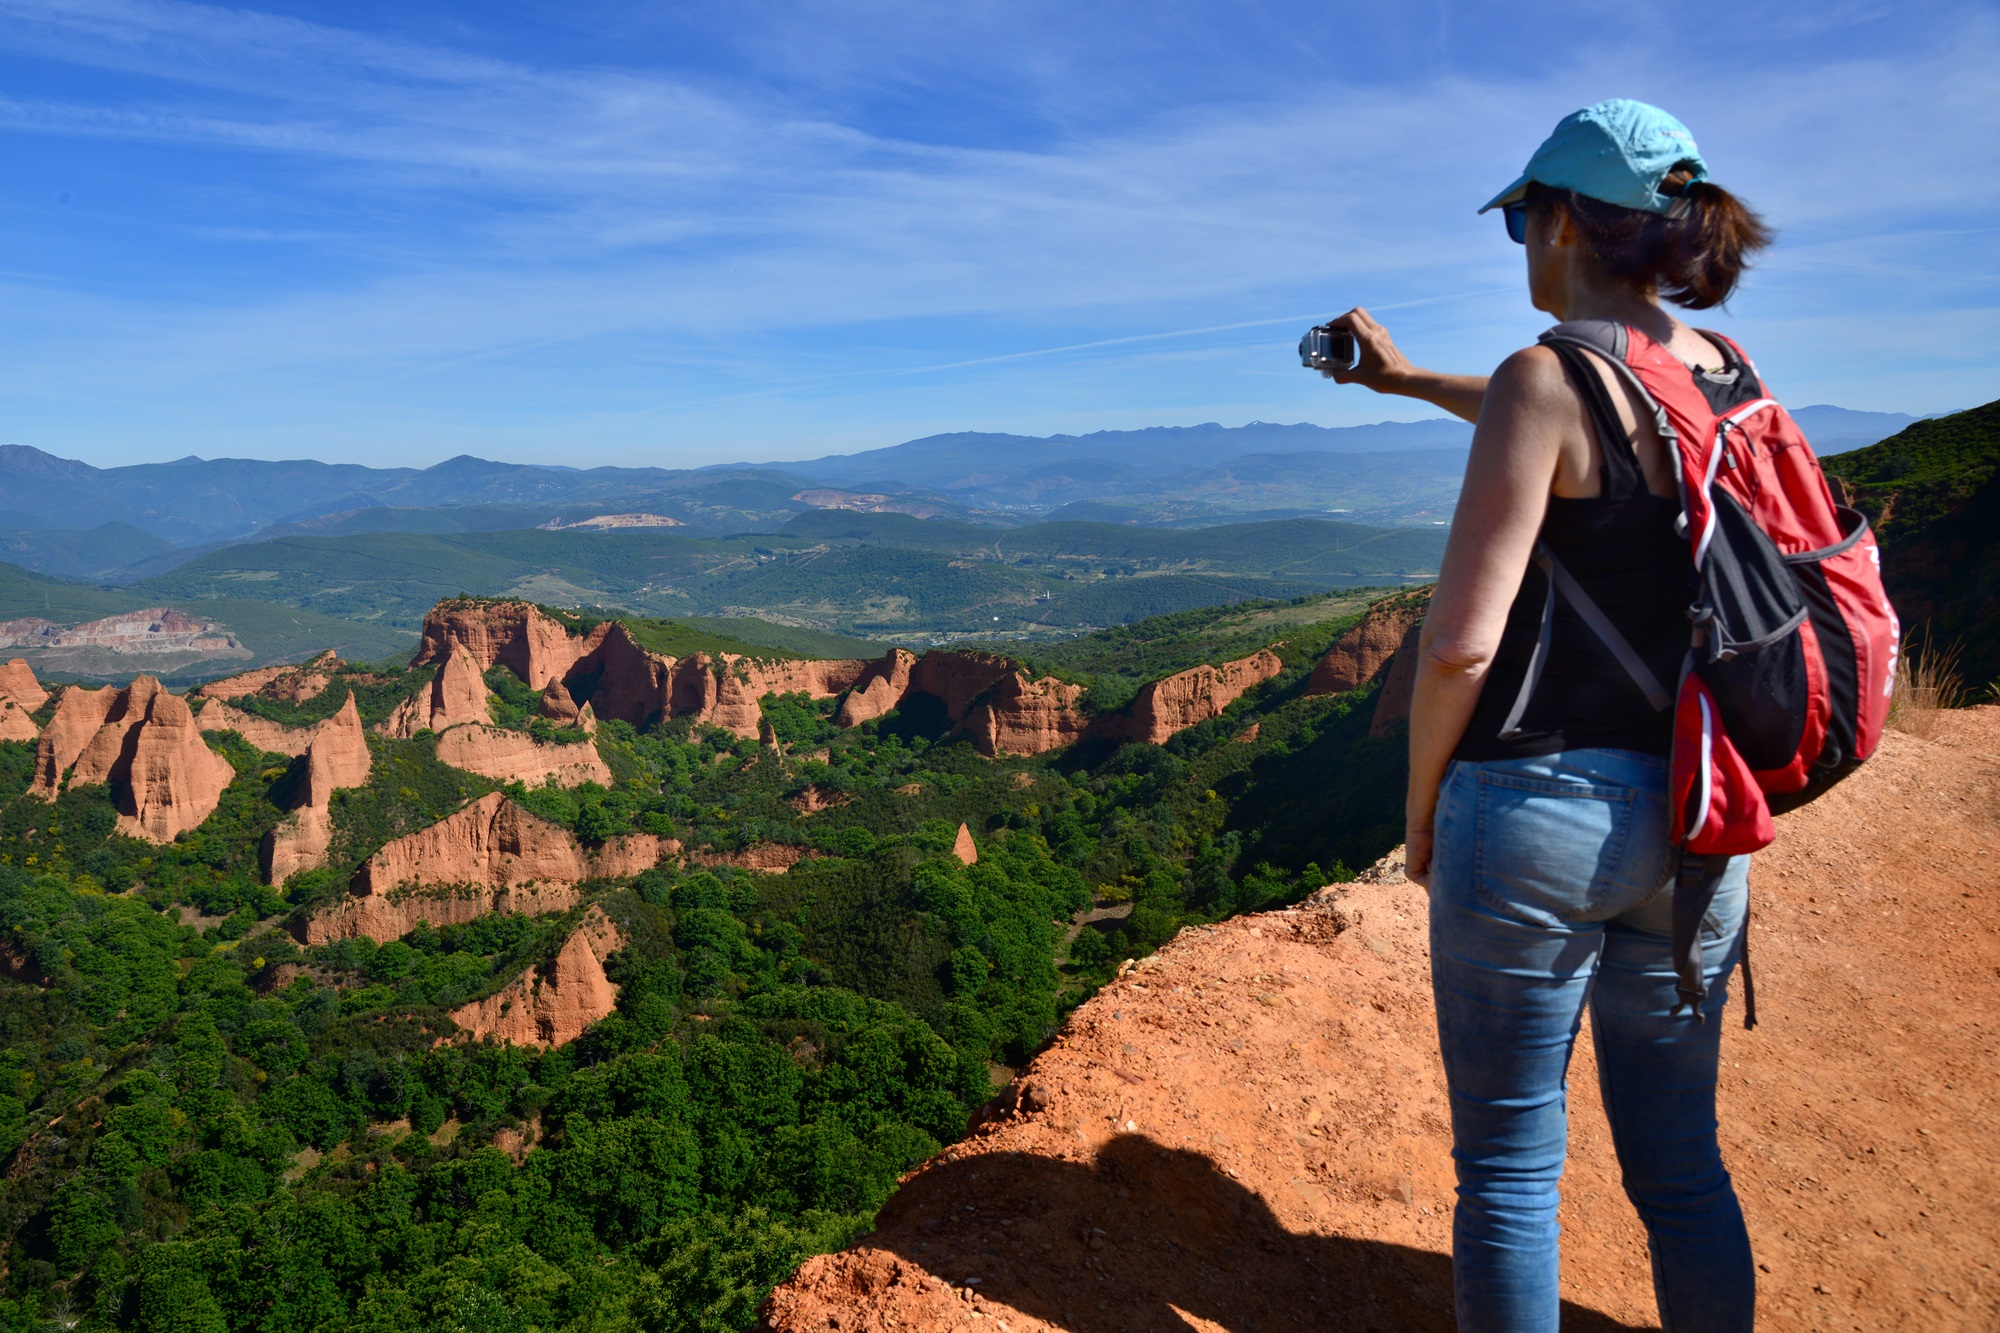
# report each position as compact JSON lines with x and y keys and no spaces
{"x":1329,"y":348}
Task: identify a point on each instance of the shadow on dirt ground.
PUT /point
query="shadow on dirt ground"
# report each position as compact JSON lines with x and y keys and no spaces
{"x":1125,"y":1245}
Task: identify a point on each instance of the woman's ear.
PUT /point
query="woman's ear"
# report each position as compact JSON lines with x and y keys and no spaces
{"x":1559,"y":230}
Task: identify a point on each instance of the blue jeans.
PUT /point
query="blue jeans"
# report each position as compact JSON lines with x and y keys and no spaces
{"x":1552,"y":887}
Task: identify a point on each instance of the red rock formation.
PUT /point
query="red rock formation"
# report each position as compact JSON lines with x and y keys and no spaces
{"x":770,"y":858}
{"x":1356,"y":656}
{"x":741,"y":681}
{"x":955,"y":679}
{"x":293,"y":684}
{"x":79,"y":714}
{"x":167,"y":780}
{"x":17,"y":682}
{"x":515,"y":635}
{"x":1399,"y":684}
{"x":107,"y":750}
{"x":621,"y":680}
{"x":492,"y":856}
{"x":515,"y":756}
{"x":625,"y":681}
{"x":879,"y":689}
{"x":142,"y":742}
{"x":958,"y":678}
{"x":15,"y":724}
{"x":20,"y":695}
{"x":336,"y":756}
{"x":633,"y":854}
{"x":382,"y":917}
{"x":1022,"y":717}
{"x":552,"y":1009}
{"x":491,"y":843}
{"x":557,"y":706}
{"x":272,"y":737}
{"x":1178,"y":702}
{"x":984,"y":695}
{"x":965,"y":849}
{"x":455,"y":696}
{"x":145,"y":745}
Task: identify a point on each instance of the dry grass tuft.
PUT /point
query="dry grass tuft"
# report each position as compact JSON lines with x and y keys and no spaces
{"x":1927,"y":683}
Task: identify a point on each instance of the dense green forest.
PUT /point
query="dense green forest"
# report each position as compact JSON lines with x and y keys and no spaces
{"x":210,"y":1126}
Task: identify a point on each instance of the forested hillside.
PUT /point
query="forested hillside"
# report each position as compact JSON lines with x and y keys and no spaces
{"x":886,"y":577}
{"x":1933,"y":492}
{"x":212,"y":1124}
{"x":829,"y":583}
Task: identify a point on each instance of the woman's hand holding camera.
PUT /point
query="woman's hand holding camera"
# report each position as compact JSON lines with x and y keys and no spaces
{"x":1381,"y":367}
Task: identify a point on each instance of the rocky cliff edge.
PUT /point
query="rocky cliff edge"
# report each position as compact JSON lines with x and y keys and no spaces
{"x":1249,"y":1129}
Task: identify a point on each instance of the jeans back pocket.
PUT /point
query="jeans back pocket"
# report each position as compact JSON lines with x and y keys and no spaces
{"x":1553,"y":850}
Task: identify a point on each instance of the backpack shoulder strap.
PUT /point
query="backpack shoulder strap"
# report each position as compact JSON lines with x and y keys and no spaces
{"x":1586,"y":607}
{"x":1599,"y":335}
{"x":1591,"y":333}
{"x":1623,"y":477}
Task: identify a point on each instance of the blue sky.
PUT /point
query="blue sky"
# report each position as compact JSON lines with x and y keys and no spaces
{"x":678,"y":234}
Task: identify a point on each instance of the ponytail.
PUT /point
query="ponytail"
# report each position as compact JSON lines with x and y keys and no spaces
{"x":1694,"y":259}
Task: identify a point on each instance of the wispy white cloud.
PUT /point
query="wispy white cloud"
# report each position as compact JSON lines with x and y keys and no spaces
{"x":641,"y":239}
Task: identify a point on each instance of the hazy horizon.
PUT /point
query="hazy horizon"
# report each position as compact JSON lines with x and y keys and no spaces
{"x":805,"y":456}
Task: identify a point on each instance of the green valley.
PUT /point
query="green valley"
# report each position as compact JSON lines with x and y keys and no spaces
{"x":225,"y":1110}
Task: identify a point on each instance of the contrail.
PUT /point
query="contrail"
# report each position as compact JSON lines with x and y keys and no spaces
{"x":773,"y":387}
{"x":780,"y":386}
{"x":1174,"y":333}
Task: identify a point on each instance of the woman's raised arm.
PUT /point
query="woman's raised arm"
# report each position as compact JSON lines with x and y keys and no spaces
{"x":1528,"y":409}
{"x":1385,"y":369}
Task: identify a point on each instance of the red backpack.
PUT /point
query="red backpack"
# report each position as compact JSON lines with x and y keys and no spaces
{"x":1785,"y":689}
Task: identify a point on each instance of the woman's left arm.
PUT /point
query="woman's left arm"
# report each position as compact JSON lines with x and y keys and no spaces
{"x":1528,"y":409}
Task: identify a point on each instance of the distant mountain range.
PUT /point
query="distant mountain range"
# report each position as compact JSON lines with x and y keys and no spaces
{"x":966,"y":460}
{"x":121,"y":524}
{"x":954,"y":537}
{"x":195,"y":500}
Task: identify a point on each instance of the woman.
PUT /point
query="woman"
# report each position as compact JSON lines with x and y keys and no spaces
{"x":1543,"y":832}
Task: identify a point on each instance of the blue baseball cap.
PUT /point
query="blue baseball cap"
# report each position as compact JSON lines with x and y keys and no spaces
{"x":1617,"y":151}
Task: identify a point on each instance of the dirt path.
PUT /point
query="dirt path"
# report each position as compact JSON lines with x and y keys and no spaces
{"x":1249,"y":1134}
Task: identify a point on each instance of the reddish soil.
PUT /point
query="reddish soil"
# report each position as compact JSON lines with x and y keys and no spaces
{"x":771,"y":858}
{"x":1248,"y":1132}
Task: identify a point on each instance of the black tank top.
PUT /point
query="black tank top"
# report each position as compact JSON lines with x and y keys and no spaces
{"x":1622,"y":547}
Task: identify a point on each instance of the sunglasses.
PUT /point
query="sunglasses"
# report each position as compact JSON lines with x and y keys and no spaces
{"x":1516,"y":218}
